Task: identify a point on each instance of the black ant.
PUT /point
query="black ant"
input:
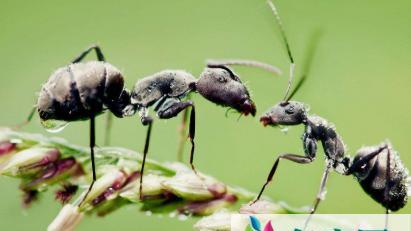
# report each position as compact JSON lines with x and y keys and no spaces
{"x":84,"y":90}
{"x":167,"y":89}
{"x":378,"y":168}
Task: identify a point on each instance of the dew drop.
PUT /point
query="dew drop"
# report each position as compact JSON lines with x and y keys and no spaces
{"x":149,"y":213}
{"x":182,"y":217}
{"x":54,"y":126}
{"x":172,"y":214}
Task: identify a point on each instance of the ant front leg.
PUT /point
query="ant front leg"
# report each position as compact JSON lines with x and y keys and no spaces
{"x":292,"y":157}
{"x":171,"y":108}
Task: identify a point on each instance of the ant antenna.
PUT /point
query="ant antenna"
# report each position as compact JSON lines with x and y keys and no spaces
{"x":287,"y":46}
{"x":243,"y":62}
{"x":307,"y":62}
{"x":224,"y":67}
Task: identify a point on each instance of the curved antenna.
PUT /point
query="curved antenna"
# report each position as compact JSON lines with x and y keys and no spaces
{"x":312,"y":47}
{"x":224,"y":67}
{"x":244,"y":62}
{"x":287,"y":46}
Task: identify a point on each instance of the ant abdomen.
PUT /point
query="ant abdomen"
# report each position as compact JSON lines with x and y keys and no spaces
{"x":375,"y":172}
{"x":76,"y":91}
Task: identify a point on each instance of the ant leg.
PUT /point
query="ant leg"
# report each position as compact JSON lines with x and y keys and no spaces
{"x":192,"y":130}
{"x":100,"y":56}
{"x":387,"y":212}
{"x":387,"y":183}
{"x":29,"y":118}
{"x":320,"y":194}
{"x":146,"y":120}
{"x":172,"y":108}
{"x":292,"y":157}
{"x":109,"y":123}
{"x":92,"y":145}
{"x":182,"y":129}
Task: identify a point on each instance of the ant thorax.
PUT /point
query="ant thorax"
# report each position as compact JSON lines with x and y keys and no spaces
{"x":320,"y":129}
{"x":171,"y":83}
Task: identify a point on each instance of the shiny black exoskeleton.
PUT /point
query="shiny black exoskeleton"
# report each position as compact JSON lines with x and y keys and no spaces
{"x":81,"y":90}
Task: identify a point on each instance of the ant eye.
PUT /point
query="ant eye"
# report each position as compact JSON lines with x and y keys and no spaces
{"x":363,"y":169}
{"x":222,"y":79}
{"x":363,"y":166}
{"x":290,"y":109}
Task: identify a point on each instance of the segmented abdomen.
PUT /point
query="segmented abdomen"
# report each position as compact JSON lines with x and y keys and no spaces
{"x":76,"y":91}
{"x":375,"y":182}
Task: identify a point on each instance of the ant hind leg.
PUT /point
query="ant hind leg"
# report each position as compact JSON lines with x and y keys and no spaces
{"x":171,"y":108}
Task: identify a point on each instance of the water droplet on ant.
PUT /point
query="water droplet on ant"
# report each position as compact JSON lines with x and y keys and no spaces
{"x":54,"y":126}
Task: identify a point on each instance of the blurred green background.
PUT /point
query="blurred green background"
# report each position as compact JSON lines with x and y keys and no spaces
{"x":360,"y":81}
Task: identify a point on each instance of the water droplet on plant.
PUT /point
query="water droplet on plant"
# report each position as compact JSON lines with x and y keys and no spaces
{"x":54,"y":126}
{"x":182,"y":217}
{"x":16,"y":141}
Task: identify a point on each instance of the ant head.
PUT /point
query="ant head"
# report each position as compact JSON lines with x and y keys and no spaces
{"x":220,"y":85}
{"x":285,"y":113}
